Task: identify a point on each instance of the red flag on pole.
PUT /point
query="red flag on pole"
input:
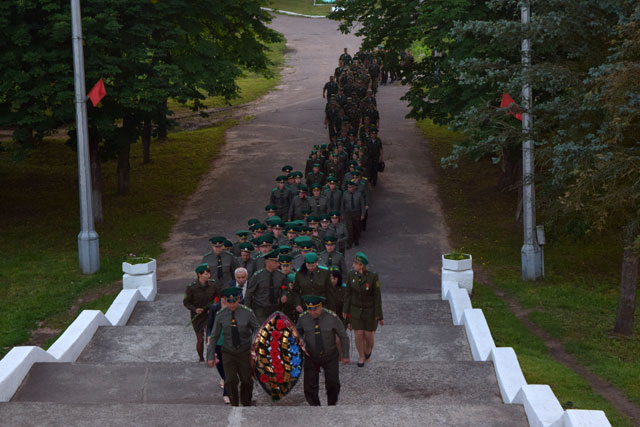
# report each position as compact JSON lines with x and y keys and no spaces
{"x":508,"y":101}
{"x":97,"y":92}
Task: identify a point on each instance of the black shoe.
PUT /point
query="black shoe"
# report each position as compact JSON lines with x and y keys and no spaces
{"x":360,"y":365}
{"x":367,"y":356}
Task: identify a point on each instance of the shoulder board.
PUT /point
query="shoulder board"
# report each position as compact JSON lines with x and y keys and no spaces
{"x":246,"y":308}
{"x":207,"y":253}
{"x":259,"y":271}
{"x":222,"y":309}
{"x":331,"y":312}
{"x":275,"y":189}
{"x":322,"y":267}
{"x":230,"y":253}
{"x":304,"y":313}
{"x":364,"y":178}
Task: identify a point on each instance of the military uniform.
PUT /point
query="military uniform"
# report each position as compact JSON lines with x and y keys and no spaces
{"x":298,"y":205}
{"x":335,"y":258}
{"x":340,"y":231}
{"x":198,"y":295}
{"x":353,"y":210}
{"x":315,"y":178}
{"x":235,"y":357}
{"x":322,"y":330}
{"x":319,"y":205}
{"x":334,"y":198}
{"x":261,"y":298}
{"x":222,"y":266}
{"x":317,"y":283}
{"x":363,"y":301}
{"x":250,"y":265}
{"x":282,"y":200}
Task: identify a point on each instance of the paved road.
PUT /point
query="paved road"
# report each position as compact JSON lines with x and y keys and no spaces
{"x":421,"y":371}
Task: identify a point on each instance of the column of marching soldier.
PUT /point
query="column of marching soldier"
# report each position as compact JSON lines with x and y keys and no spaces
{"x":294,"y":257}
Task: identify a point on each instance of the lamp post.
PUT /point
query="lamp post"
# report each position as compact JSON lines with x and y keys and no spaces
{"x":530,"y":252}
{"x":88,"y":244}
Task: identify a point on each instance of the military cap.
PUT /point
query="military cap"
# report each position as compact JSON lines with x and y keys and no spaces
{"x":246,"y":247}
{"x":231,"y":293}
{"x":291,"y":175}
{"x":273,"y":255}
{"x":306,"y":212}
{"x":374,"y":129}
{"x":313,"y":301}
{"x":312,"y":218}
{"x":287,"y":168}
{"x":334,"y":214}
{"x":253,"y":221}
{"x":362,"y":258}
{"x":356,"y":172}
{"x":300,"y":223}
{"x":285,"y":249}
{"x":255,"y":241}
{"x":351,"y":132}
{"x":316,"y":185}
{"x":306,"y":229}
{"x":217,"y":240}
{"x":298,"y":174}
{"x":332,"y":179}
{"x":352,"y":183}
{"x":273,"y":220}
{"x":353,"y":163}
{"x":259,"y":227}
{"x":311,"y":257}
{"x":316,"y":165}
{"x":202,"y":267}
{"x":281,"y":178}
{"x":242,"y":233}
{"x":329,"y":239}
{"x":271,"y":208}
{"x":266,"y":239}
{"x":285,"y":259}
{"x":291,"y":227}
{"x":302,"y":188}
{"x":324,"y":217}
{"x":306,"y":245}
{"x":227,"y":244}
{"x":357,"y":167}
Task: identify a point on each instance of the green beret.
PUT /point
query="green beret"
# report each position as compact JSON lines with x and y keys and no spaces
{"x":273,"y":255}
{"x":362,"y":258}
{"x":242,"y":233}
{"x":270,"y":208}
{"x":231,"y":292}
{"x":281,"y":178}
{"x":202,"y":267}
{"x":246,"y":247}
{"x":311,"y":257}
{"x":285,"y":259}
{"x":313,"y":301}
{"x":286,"y":168}
{"x":330,"y":239}
{"x":217,"y":240}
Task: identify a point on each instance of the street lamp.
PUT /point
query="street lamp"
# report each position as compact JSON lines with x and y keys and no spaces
{"x":530,"y":252}
{"x":88,"y":244}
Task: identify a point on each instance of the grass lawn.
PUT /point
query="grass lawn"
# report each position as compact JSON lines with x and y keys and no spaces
{"x":40,"y":282}
{"x":304,"y":7}
{"x":575,"y":303}
{"x":252,"y":85}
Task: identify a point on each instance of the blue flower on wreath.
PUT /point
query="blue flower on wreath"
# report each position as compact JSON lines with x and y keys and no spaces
{"x":294,"y":349}
{"x":295,"y":360}
{"x":295,"y":373}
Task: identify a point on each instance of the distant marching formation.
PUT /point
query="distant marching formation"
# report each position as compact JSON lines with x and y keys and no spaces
{"x":299,"y":263}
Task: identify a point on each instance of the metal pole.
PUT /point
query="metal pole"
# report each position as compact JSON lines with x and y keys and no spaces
{"x":88,"y":244}
{"x":531,"y":254}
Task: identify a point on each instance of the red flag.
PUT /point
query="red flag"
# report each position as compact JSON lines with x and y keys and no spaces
{"x":97,"y":92}
{"x":508,"y":101}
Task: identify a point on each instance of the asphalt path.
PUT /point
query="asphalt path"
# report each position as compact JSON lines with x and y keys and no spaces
{"x":406,"y":232}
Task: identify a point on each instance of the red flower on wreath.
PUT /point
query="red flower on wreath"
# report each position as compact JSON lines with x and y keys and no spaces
{"x":264,"y":378}
{"x":274,"y":353}
{"x":283,"y":287}
{"x":274,"y":344}
{"x":279,"y":370}
{"x":276,"y":335}
{"x":280,"y":379}
{"x":276,"y":362}
{"x":280,"y":324}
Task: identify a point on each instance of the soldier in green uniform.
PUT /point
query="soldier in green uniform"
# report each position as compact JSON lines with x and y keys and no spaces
{"x":375,"y":155}
{"x":243,"y":237}
{"x":319,"y":328}
{"x":312,"y":280}
{"x":222,"y":262}
{"x":237,"y":324}
{"x":198,"y":297}
{"x":245,"y":260}
{"x":299,"y":204}
{"x":363,"y":306}
{"x":305,"y":246}
{"x":330,"y":257}
{"x":281,"y":197}
{"x":319,"y":203}
{"x":267,"y":288}
{"x":315,"y":176}
{"x":265,"y":245}
{"x":333,"y":194}
{"x":353,"y":211}
{"x":339,"y":230}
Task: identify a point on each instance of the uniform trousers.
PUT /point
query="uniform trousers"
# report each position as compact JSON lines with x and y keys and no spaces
{"x":354,"y":227}
{"x":238,"y":365}
{"x":312,"y":379}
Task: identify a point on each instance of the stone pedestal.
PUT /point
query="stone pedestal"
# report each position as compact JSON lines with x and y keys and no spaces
{"x":459,"y":271}
{"x":141,"y":277}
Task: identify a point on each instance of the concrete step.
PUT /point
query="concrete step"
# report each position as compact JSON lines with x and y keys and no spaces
{"x":153,"y":415}
{"x":177,"y":344}
{"x":399,"y":309}
{"x":410,"y":383}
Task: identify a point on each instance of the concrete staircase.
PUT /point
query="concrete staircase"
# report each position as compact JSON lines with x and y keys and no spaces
{"x":146,"y":373}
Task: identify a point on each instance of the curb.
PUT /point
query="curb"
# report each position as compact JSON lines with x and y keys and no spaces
{"x":540,"y":403}
{"x":286,"y":12}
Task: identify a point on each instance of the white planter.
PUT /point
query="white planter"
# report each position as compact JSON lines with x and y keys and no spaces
{"x":456,"y":265}
{"x":138,"y":269}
